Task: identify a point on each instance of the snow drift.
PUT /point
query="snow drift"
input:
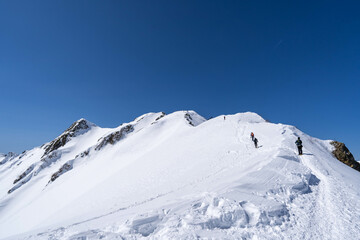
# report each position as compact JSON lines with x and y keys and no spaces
{"x":179,"y":176}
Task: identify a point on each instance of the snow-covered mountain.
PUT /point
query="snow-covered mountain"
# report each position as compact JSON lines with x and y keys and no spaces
{"x":6,"y":157}
{"x":179,"y":176}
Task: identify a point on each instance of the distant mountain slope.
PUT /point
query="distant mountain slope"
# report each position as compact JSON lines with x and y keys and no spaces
{"x":7,"y":157}
{"x":179,"y":176}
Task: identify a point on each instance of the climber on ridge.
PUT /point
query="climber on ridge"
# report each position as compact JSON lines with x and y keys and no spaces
{"x":299,"y":145}
{"x":252,"y":136}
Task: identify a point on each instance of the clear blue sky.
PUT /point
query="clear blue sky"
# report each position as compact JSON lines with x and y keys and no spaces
{"x":294,"y":62}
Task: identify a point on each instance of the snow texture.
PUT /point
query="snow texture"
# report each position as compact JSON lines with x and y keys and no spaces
{"x":179,"y":176}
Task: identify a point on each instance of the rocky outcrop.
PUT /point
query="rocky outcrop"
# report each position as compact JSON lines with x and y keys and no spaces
{"x":77,"y":128}
{"x":159,"y":117}
{"x":114,"y":137}
{"x":342,"y":153}
{"x":24,"y":179}
{"x":193,"y":118}
{"x":66,"y":167}
{"x":24,"y":174}
{"x":84,"y":153}
{"x":189,"y":119}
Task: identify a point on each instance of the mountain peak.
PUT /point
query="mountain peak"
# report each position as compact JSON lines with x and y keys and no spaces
{"x":79,"y":127}
{"x":81,"y":124}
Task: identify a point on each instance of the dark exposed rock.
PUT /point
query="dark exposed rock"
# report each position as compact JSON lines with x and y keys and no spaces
{"x":342,"y":153}
{"x":50,"y":157}
{"x":189,"y":119}
{"x":24,"y":179}
{"x":83,"y":154}
{"x":66,"y":167}
{"x":79,"y":125}
{"x":77,"y":128}
{"x":159,"y":117}
{"x":27,"y":171}
{"x":57,"y":143}
{"x":114,"y":137}
{"x":139,"y":119}
{"x":11,"y":154}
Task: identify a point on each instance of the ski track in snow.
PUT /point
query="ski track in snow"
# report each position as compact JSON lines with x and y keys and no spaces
{"x":236,"y":192}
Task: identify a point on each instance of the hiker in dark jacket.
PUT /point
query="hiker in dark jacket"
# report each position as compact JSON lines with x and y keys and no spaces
{"x":299,"y":145}
{"x":255,"y":142}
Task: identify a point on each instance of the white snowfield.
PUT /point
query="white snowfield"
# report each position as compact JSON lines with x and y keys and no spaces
{"x":179,"y":176}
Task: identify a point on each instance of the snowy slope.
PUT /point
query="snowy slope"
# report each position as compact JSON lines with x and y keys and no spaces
{"x":179,"y":176}
{"x":6,"y":157}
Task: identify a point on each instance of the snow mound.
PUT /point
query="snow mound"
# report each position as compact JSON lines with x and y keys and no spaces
{"x":249,"y":117}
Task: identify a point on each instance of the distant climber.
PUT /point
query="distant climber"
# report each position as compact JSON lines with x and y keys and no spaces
{"x":255,"y":142}
{"x":299,"y":145}
{"x":252,"y":136}
{"x":224,"y":118}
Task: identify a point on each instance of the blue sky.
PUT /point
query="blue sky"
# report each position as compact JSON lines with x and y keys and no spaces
{"x":294,"y":62}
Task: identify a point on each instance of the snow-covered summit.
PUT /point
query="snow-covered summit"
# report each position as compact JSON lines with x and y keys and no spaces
{"x":249,"y":117}
{"x":179,"y":176}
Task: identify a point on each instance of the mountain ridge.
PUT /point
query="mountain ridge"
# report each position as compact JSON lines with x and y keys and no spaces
{"x":178,"y":176}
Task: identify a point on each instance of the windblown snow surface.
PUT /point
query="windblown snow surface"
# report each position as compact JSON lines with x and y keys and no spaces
{"x":179,"y":176}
